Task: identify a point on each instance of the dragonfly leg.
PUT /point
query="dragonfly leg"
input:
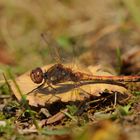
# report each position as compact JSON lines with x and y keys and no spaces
{"x":49,"y":85}
{"x":40,"y":86}
{"x":78,"y":84}
{"x":54,"y":94}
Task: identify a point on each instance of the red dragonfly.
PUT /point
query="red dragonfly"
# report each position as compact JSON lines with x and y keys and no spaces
{"x":58,"y":73}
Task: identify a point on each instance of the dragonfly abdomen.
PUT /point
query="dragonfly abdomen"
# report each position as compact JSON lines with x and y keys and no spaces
{"x":87,"y":77}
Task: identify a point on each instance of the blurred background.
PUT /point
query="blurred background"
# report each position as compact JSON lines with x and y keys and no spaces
{"x":94,"y":31}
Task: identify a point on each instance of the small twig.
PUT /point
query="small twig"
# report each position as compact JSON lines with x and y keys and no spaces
{"x":57,"y":117}
{"x":27,"y":131}
{"x":68,"y":115}
{"x":4,"y":96}
{"x":115,"y":99}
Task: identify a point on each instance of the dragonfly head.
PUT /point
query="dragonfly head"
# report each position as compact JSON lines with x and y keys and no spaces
{"x":37,"y":75}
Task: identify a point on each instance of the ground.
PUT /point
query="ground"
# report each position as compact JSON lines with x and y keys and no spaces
{"x":94,"y":37}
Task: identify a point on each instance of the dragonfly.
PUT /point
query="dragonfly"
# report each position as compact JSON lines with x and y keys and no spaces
{"x":59,"y":73}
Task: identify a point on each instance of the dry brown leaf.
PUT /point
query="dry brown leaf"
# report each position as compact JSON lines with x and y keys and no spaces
{"x":65,"y":91}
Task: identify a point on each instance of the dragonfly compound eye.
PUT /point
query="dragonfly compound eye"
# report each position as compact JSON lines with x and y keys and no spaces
{"x":37,"y":75}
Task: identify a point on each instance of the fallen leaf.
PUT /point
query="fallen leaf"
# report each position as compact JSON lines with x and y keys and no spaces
{"x":65,"y":92}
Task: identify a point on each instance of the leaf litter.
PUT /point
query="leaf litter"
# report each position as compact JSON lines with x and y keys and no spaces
{"x":87,"y":97}
{"x":94,"y":102}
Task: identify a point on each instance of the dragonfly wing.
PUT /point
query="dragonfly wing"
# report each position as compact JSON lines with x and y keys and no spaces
{"x":53,"y":46}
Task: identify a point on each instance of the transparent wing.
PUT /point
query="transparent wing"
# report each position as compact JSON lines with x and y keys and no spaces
{"x":53,"y":46}
{"x":66,"y":50}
